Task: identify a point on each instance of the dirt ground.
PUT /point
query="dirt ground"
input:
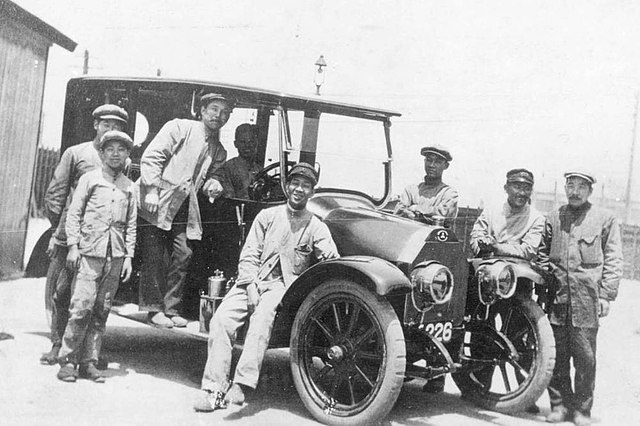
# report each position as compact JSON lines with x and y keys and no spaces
{"x":154,"y":376}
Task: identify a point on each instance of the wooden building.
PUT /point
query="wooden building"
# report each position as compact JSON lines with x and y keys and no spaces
{"x":24,"y":47}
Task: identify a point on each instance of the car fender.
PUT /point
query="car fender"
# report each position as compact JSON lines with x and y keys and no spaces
{"x":377,"y":275}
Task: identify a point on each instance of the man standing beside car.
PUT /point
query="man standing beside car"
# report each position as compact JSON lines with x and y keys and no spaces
{"x":432,"y":197}
{"x":582,"y":247}
{"x":514,"y":228}
{"x":75,"y":162}
{"x":176,"y":164}
{"x":283,"y":242}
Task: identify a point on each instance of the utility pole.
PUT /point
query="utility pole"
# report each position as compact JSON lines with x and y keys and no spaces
{"x":85,"y":64}
{"x":627,"y":196}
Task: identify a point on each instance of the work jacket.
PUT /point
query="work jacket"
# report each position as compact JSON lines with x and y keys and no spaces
{"x":583,"y":249}
{"x":517,"y":233}
{"x":175,"y":165}
{"x":102,"y":215}
{"x":281,"y":244}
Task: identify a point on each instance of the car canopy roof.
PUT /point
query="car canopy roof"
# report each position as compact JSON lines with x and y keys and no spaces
{"x":250,"y":96}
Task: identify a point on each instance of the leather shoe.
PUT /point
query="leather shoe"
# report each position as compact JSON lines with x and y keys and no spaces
{"x":51,"y":357}
{"x":178,"y":321}
{"x":68,"y":373}
{"x":235,"y":395}
{"x":209,"y":401}
{"x":580,"y":419}
{"x":89,"y":371}
{"x":160,"y":319}
{"x":558,"y":414}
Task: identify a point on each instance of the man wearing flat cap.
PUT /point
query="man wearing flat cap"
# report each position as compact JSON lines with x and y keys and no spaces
{"x":178,"y":163}
{"x":581,"y":246}
{"x":432,"y":197}
{"x":75,"y":162}
{"x":283,"y":242}
{"x":513,"y":228}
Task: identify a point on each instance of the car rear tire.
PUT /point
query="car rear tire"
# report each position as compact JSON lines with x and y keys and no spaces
{"x":347,"y":354}
{"x":510,"y":386}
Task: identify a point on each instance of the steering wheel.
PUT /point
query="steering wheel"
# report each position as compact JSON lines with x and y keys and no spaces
{"x":265,"y":185}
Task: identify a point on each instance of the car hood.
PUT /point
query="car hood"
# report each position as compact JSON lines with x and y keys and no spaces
{"x":358,"y":229}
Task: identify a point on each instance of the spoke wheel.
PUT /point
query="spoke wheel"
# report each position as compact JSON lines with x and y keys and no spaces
{"x":347,"y":354}
{"x":505,"y":384}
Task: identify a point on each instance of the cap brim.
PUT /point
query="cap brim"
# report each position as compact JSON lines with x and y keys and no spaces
{"x":111,"y":117}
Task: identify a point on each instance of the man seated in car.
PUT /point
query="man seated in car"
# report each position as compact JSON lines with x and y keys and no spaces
{"x":236,"y":174}
{"x":432,"y":197}
{"x":513,"y":228}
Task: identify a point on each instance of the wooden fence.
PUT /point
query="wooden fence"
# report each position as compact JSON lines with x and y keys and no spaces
{"x":631,"y":251}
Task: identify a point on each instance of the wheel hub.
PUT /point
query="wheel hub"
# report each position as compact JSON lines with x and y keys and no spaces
{"x":336,"y":353}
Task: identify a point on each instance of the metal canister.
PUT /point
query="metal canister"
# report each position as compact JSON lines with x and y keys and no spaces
{"x":216,"y":284}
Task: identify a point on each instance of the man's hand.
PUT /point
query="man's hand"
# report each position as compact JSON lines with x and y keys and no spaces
{"x":212,"y":189}
{"x":603,"y":308}
{"x":486,"y":244}
{"x":52,"y":248}
{"x":253,"y":298}
{"x":126,"y":270}
{"x":150,"y":202}
{"x":73,"y":258}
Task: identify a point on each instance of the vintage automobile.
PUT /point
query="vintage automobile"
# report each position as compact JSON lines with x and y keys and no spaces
{"x":403,"y":302}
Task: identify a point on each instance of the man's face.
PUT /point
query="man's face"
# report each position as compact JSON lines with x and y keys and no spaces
{"x":103,"y":126}
{"x":578,"y":191}
{"x":215,"y":114}
{"x":246,"y":143}
{"x":114,"y":154}
{"x":434,"y":165}
{"x":518,"y":194}
{"x":299,"y":190}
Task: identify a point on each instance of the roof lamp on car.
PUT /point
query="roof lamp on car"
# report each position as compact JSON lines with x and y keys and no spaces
{"x":432,"y":285}
{"x":496,"y":280}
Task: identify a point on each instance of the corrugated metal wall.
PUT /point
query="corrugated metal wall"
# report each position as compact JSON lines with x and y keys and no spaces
{"x":23,"y":56}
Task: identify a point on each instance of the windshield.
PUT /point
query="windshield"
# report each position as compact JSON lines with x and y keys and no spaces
{"x":350,"y":152}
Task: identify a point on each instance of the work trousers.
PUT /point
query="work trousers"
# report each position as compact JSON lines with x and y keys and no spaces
{"x":166,"y":256}
{"x":93,"y":289}
{"x":580,"y":344}
{"x":223,"y":328}
{"x":58,"y":287}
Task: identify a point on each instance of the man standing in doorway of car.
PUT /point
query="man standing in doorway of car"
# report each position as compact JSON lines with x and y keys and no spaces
{"x":75,"y":162}
{"x":236,"y":175}
{"x":283,"y":242}
{"x":432,"y":197}
{"x":514,"y":228}
{"x":176,"y":164}
{"x":582,"y":247}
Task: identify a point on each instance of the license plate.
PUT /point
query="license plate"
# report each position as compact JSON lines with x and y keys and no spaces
{"x":440,"y":330}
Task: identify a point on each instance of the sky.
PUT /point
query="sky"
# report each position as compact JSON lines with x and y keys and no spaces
{"x":546,"y":85}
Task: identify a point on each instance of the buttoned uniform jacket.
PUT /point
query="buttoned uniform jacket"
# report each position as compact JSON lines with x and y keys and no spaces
{"x":75,"y":162}
{"x":281,"y":244}
{"x":517,"y":233}
{"x":102,"y":216}
{"x":441,"y":200}
{"x":235,"y":176}
{"x":175,"y":165}
{"x":583,"y":249}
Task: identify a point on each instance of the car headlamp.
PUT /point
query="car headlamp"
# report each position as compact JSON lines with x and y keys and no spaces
{"x":432,"y":285}
{"x":495,"y":281}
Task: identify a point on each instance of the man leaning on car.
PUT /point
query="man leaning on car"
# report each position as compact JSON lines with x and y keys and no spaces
{"x":513,"y":228}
